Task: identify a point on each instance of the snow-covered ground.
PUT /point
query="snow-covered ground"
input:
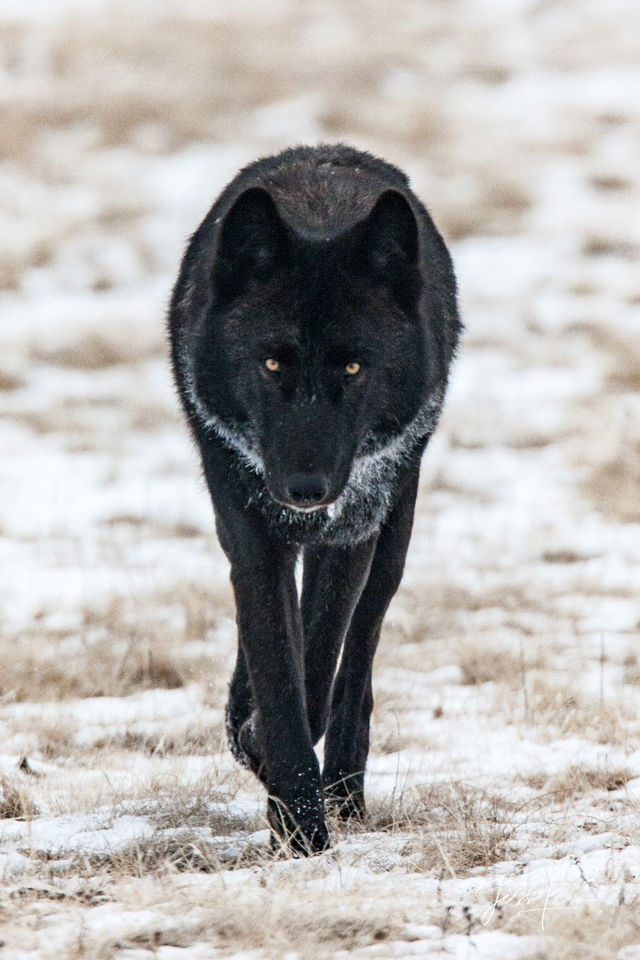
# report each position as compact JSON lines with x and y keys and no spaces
{"x":504,"y":779}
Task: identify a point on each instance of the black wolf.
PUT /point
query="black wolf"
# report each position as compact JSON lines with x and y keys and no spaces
{"x":312,"y":325}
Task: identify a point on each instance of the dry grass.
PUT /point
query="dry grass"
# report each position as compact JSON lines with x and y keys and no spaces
{"x":614,"y":483}
{"x":584,"y":931}
{"x":563,"y":556}
{"x":97,"y":350}
{"x":180,"y":850}
{"x":201,"y":82}
{"x":95,"y":423}
{"x":265,"y":921}
{"x":278,"y":912}
{"x":194,"y":741}
{"x":579,"y":779}
{"x":10,"y":379}
{"x":118,"y":667}
{"x":556,"y":707}
{"x":53,"y":740}
{"x":389,"y":741}
{"x":622,"y":359}
{"x":202,"y":90}
{"x":576,"y":781}
{"x":14,"y":802}
{"x":194,"y":830}
{"x":632,"y":669}
{"x":126,"y":645}
{"x":481,"y":665}
{"x":450,"y":828}
{"x":612,"y":480}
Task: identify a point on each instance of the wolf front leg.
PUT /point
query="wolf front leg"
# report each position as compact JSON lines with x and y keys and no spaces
{"x":347,"y":738}
{"x":270,"y":638}
{"x":332,"y":584}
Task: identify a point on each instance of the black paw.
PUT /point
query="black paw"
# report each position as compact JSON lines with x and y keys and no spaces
{"x":297,"y":830}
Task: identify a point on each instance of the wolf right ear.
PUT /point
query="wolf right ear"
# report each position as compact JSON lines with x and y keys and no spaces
{"x":389,"y":235}
{"x":252,"y":243}
{"x":386,"y":246}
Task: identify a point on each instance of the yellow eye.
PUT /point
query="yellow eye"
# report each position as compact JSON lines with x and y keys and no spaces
{"x":352,"y":368}
{"x":272,"y":365}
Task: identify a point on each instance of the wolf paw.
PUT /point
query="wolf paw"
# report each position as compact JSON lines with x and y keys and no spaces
{"x":300,"y":834}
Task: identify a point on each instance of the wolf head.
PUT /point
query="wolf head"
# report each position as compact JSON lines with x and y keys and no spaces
{"x":317,"y":340}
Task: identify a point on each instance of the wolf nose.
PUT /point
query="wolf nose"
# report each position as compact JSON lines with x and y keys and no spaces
{"x":306,"y":489}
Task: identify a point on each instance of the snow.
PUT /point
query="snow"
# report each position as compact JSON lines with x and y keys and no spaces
{"x":519,"y":126}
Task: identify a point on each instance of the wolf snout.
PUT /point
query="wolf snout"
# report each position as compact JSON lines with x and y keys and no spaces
{"x":306,"y":490}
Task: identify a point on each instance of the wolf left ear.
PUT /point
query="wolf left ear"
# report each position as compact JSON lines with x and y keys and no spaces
{"x":251,"y":245}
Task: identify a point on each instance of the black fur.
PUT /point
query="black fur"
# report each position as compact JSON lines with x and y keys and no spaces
{"x":318,"y":258}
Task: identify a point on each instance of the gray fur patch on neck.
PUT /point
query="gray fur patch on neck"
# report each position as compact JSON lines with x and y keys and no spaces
{"x":241,"y":441}
{"x":373,"y":474}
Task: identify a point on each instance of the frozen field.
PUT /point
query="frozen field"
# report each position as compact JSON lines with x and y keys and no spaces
{"x":504,"y":781}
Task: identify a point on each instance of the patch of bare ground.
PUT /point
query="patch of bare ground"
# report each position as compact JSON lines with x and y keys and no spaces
{"x":179,"y":529}
{"x":318,"y":927}
{"x":263,"y":920}
{"x":563,"y":556}
{"x":276,"y":910}
{"x":632,"y":668}
{"x":577,"y":781}
{"x":182,"y":81}
{"x":584,"y":931}
{"x":191,"y":66}
{"x":118,"y":667}
{"x":220,"y":844}
{"x":97,"y":350}
{"x":599,"y":245}
{"x":620,"y":354}
{"x":450,"y":828}
{"x":611,"y":464}
{"x":195,"y":740}
{"x":94,"y":422}
{"x":613,"y":483}
{"x":484,"y":665}
{"x":387,"y":742}
{"x":126,"y":645}
{"x":14,"y":801}
{"x":553,"y":709}
{"x":10,"y":379}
